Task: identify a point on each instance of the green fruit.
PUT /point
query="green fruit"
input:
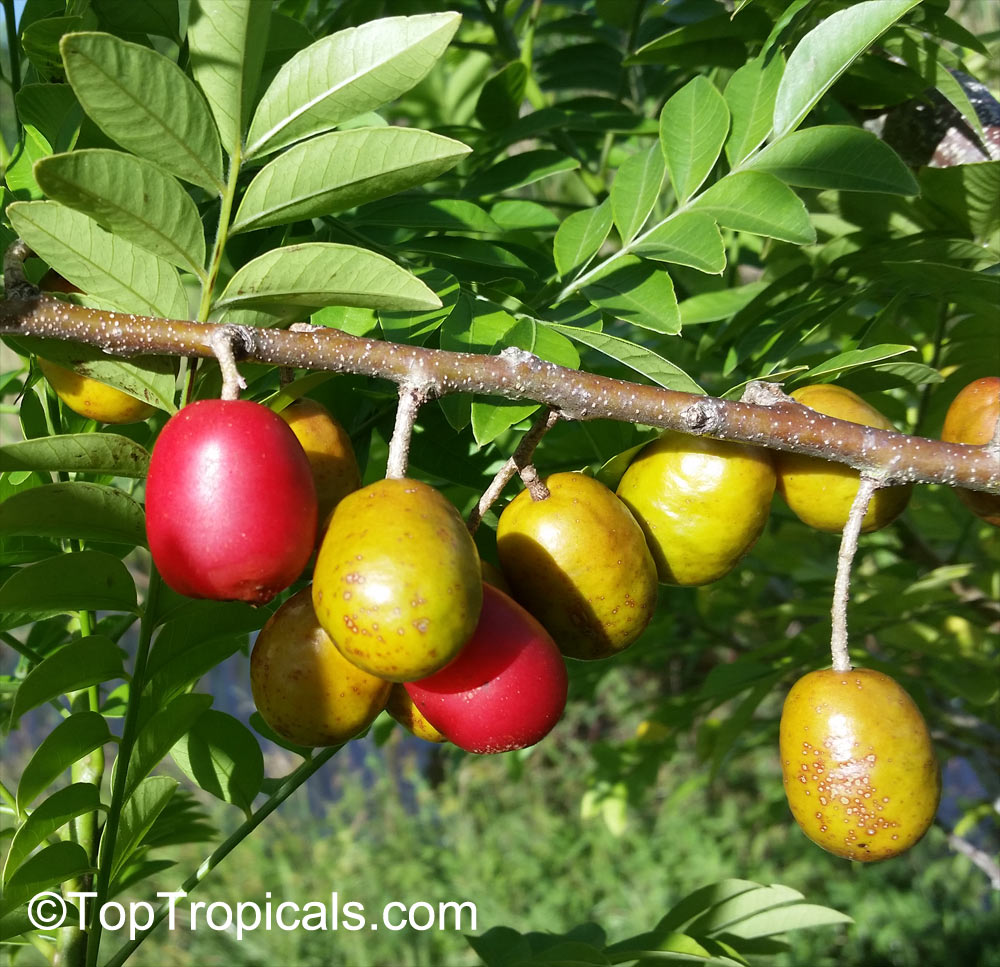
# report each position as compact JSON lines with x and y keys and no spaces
{"x":820,"y":493}
{"x":397,"y":582}
{"x":579,"y":563}
{"x":858,"y":765}
{"x":702,"y":503}
{"x":303,"y":687}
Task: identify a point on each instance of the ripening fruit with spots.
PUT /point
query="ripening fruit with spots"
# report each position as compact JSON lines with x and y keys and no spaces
{"x":972,"y":418}
{"x":401,"y":707}
{"x":91,"y":398}
{"x":578,"y":561}
{"x":858,"y":765}
{"x":303,"y":687}
{"x":819,"y":492}
{"x":397,"y":580}
{"x":702,"y":504}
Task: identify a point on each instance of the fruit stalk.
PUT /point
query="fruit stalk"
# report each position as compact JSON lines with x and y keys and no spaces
{"x":576,"y":394}
{"x":411,"y":398}
{"x":222,"y":342}
{"x":842,"y":584}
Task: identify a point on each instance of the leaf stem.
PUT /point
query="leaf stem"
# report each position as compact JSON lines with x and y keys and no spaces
{"x":221,"y":237}
{"x":842,"y":585}
{"x":106,"y":851}
{"x":291,"y":783}
{"x":13,"y":47}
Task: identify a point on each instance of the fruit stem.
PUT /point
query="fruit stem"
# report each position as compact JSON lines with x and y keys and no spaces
{"x":411,"y":398}
{"x":520,"y":459}
{"x":222,"y":341}
{"x":842,"y":585}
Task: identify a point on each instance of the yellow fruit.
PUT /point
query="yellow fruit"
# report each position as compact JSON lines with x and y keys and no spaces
{"x":397,"y":583}
{"x":93,"y":399}
{"x":819,"y":492}
{"x":579,"y":563}
{"x":331,"y":456}
{"x":858,"y":765}
{"x":303,"y":687}
{"x":402,"y":709}
{"x":702,"y":503}
{"x":972,"y":418}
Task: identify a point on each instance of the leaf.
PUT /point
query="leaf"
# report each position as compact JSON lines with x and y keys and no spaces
{"x":53,"y":110}
{"x":836,"y":156}
{"x":853,"y":359}
{"x":441,"y":214}
{"x":580,"y":237}
{"x":636,"y":292}
{"x":499,"y":102}
{"x":101,"y":264}
{"x":520,"y":170}
{"x":86,"y":511}
{"x":130,"y":198}
{"x":750,"y":94}
{"x":81,"y":581}
{"x":826,"y":52}
{"x":138,"y":815}
{"x":49,"y":816}
{"x":147,"y":104}
{"x":752,"y":201}
{"x":141,"y":16}
{"x":342,"y":170}
{"x":635,"y":190}
{"x":227,"y":40}
{"x":687,"y":238}
{"x":83,"y":662}
{"x":72,"y":739}
{"x":654,"y":367}
{"x":223,"y":757}
{"x":415,"y":326}
{"x":47,"y":868}
{"x":693,"y":128}
{"x":516,"y":215}
{"x":98,"y":453}
{"x":160,"y":734}
{"x":703,"y":899}
{"x":317,"y":274}
{"x":346,"y":74}
{"x":724,"y":914}
{"x":797,"y":916}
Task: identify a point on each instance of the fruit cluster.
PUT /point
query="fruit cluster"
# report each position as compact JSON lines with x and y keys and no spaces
{"x":402,"y":615}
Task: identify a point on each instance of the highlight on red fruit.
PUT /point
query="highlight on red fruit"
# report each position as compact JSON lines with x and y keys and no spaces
{"x":230,"y":502}
{"x":507,"y":687}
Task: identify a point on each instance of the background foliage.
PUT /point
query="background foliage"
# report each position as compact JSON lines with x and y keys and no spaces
{"x":584,"y":180}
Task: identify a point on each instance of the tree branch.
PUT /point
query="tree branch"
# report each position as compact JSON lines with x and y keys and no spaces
{"x":518,"y":375}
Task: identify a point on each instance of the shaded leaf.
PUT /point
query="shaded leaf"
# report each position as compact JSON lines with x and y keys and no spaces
{"x":99,"y":453}
{"x":750,"y":94}
{"x":500,"y":99}
{"x":580,"y":237}
{"x":636,"y":292}
{"x":520,"y":170}
{"x":146,"y":103}
{"x":441,"y":214}
{"x":853,"y":359}
{"x":687,"y":238}
{"x":138,"y":815}
{"x":635,"y":190}
{"x":47,"y":868}
{"x":752,"y":201}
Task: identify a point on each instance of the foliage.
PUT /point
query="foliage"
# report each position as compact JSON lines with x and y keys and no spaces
{"x":681,"y":194}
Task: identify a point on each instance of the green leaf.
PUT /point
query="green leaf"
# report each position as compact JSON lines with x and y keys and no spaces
{"x":138,"y":815}
{"x":636,"y":292}
{"x":797,"y":916}
{"x":750,"y":94}
{"x":520,"y":214}
{"x":520,"y":170}
{"x":40,"y":41}
{"x":826,"y":52}
{"x":83,"y":662}
{"x":147,"y":104}
{"x":344,"y":75}
{"x":130,"y":198}
{"x":836,"y":156}
{"x":49,"y":816}
{"x":317,"y":274}
{"x":693,"y":128}
{"x":47,"y":868}
{"x":635,"y":190}
{"x":439,"y":214}
{"x":703,"y":899}
{"x":752,"y":201}
{"x":966,"y":193}
{"x":342,"y":170}
{"x":499,"y":102}
{"x":81,"y":581}
{"x":101,"y":264}
{"x":654,"y":367}
{"x":724,"y":914}
{"x":53,"y":110}
{"x":223,"y":757}
{"x":86,"y":511}
{"x":415,"y":326}
{"x":580,"y":237}
{"x":99,"y":453}
{"x":852,"y":359}
{"x":227,"y":40}
{"x":160,"y":734}
{"x":72,"y":739}
{"x":141,"y":16}
{"x":688,"y":238}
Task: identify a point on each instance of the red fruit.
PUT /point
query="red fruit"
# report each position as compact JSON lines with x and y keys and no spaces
{"x":507,"y":687}
{"x":230,"y":502}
